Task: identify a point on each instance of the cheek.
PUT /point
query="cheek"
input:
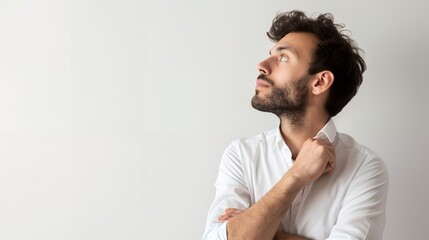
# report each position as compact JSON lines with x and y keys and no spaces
{"x":284,"y":79}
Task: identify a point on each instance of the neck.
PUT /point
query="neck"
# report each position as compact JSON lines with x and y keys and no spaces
{"x":296,"y":133}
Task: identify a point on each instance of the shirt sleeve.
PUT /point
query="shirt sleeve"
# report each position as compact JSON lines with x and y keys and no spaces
{"x":362,"y":215}
{"x":231,"y":192}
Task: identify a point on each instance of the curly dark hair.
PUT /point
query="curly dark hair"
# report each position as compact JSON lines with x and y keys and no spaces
{"x":335,"y":52}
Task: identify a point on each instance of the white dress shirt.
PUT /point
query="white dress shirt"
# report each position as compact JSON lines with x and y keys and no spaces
{"x":349,"y":204}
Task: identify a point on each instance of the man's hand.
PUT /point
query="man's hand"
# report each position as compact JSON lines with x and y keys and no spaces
{"x":316,"y":157}
{"x":229,"y":213}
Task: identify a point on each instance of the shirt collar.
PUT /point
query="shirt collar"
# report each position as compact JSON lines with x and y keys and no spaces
{"x":329,"y":131}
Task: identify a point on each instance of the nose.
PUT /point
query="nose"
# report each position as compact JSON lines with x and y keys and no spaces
{"x":264,"y":67}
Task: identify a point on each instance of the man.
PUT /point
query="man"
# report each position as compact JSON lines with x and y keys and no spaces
{"x":303,"y":180}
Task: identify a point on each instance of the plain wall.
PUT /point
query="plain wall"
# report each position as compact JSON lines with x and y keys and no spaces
{"x":114,"y":114}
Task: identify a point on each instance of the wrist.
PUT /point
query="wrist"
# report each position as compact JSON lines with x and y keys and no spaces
{"x":299,"y":181}
{"x":292,"y":183}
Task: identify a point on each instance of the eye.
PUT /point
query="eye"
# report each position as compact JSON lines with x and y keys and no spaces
{"x":283,"y":58}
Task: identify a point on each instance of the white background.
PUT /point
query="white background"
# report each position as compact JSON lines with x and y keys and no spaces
{"x":114,"y":114}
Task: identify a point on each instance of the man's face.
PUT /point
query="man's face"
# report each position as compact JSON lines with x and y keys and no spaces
{"x":282,"y":85}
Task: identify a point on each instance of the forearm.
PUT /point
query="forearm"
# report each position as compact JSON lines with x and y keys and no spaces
{"x":261,"y":220}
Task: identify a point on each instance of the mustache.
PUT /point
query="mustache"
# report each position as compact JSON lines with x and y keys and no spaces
{"x":265,"y":78}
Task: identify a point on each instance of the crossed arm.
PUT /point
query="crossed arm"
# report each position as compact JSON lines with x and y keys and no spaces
{"x":261,"y":220}
{"x":232,"y":212}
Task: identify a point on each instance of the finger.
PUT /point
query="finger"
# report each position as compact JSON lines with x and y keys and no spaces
{"x":223,"y":218}
{"x":323,"y":141}
{"x":330,"y":171}
{"x":229,"y":213}
{"x":326,"y":143}
{"x":237,"y":211}
{"x":333,"y":163}
{"x":330,"y":166}
{"x":230,"y":209}
{"x":233,"y":211}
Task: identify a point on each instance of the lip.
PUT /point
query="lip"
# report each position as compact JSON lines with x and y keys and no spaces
{"x":261,"y":84}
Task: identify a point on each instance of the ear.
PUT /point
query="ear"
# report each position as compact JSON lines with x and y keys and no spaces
{"x":322,"y":83}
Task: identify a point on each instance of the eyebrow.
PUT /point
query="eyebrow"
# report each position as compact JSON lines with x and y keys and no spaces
{"x":287,"y":48}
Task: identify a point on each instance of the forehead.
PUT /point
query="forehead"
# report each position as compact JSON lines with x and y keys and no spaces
{"x":301,"y":44}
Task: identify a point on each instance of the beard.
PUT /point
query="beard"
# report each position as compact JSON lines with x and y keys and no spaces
{"x":287,"y":102}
